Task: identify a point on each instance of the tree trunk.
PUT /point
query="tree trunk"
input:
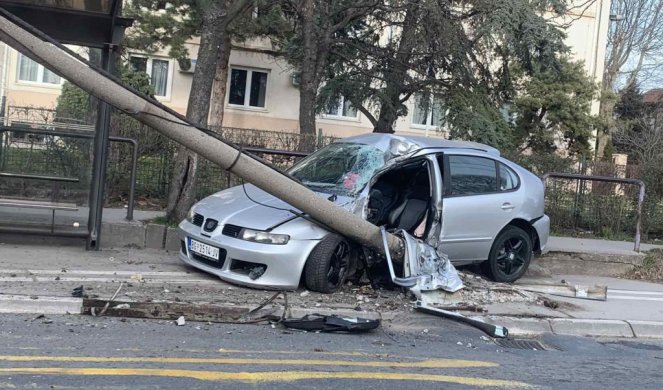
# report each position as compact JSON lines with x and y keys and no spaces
{"x":183,"y":180}
{"x":220,"y":84}
{"x":308,"y":88}
{"x":397,"y":72}
{"x":603,"y":136}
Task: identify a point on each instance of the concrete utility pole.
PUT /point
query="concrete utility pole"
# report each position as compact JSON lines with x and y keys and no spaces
{"x":222,"y":154}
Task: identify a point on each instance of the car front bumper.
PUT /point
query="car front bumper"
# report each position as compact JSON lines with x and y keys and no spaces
{"x":284,"y":263}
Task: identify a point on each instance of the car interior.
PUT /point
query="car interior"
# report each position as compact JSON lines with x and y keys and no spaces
{"x":402,"y":199}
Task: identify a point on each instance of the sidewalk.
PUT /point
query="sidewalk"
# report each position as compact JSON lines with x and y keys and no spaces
{"x":40,"y":279}
{"x":595,"y":246}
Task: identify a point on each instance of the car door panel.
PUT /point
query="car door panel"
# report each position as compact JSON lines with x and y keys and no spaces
{"x":474,"y":208}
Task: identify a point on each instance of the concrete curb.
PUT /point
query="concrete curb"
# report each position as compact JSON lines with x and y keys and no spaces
{"x":23,"y":304}
{"x":518,"y":326}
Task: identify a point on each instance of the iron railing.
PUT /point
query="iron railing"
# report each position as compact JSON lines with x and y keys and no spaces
{"x":641,"y":193}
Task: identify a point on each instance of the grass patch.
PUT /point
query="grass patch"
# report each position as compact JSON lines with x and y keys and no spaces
{"x":162,"y":220}
{"x":651,"y":268}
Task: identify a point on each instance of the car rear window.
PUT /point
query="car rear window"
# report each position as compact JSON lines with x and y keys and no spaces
{"x":472,"y":175}
{"x":508,"y":178}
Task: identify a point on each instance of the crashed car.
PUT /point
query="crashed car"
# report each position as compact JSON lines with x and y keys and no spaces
{"x":459,"y":197}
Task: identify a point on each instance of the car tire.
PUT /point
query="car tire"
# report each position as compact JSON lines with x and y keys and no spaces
{"x":327,"y":265}
{"x":509,"y":256}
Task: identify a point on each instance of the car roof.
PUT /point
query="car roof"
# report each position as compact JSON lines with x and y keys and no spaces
{"x":379,"y":139}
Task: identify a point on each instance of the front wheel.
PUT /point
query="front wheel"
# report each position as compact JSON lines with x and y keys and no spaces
{"x":327,"y":265}
{"x":510,"y":255}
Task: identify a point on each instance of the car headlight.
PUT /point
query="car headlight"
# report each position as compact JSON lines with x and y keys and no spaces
{"x":189,"y":215}
{"x":263,"y":237}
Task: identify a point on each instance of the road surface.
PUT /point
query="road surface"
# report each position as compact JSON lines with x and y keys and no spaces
{"x":58,"y":352}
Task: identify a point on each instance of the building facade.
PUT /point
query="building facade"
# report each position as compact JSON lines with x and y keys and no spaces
{"x":262,"y":92}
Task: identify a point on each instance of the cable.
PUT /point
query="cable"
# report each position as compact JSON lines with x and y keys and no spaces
{"x":266,"y":205}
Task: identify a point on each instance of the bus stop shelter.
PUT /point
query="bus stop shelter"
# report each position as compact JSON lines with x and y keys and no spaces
{"x":94,"y":24}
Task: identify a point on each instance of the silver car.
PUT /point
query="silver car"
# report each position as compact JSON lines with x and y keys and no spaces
{"x":460,"y":197}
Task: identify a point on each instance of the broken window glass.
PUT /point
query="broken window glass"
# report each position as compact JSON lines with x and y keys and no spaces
{"x":340,"y":168}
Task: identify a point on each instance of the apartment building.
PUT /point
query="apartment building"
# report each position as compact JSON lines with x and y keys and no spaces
{"x":262,"y":92}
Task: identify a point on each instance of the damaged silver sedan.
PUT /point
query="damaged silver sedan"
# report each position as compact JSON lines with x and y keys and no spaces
{"x":461,"y":198}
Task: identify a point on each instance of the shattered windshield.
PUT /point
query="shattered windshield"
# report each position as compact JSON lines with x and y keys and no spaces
{"x":340,"y":168}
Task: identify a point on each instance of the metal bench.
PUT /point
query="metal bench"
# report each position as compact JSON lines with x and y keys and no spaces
{"x":34,"y":204}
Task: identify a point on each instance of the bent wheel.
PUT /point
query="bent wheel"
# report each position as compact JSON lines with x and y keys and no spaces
{"x":510,"y":255}
{"x":327,"y":265}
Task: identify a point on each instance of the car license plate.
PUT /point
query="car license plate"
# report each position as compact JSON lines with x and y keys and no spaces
{"x":203,"y":249}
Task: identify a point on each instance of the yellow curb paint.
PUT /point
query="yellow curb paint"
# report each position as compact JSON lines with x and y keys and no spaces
{"x":256,"y":377}
{"x":434,"y":363}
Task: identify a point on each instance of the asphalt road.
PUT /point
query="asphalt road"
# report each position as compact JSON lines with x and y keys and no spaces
{"x":61,"y":352}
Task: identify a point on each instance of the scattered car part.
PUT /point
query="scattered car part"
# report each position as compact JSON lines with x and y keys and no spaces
{"x":403,"y":282}
{"x":320,"y":323}
{"x":596,"y":292}
{"x":490,"y":329}
{"x":78,"y":292}
{"x":432,"y":267}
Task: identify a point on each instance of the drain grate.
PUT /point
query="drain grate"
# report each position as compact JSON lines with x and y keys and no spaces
{"x":525,"y":344}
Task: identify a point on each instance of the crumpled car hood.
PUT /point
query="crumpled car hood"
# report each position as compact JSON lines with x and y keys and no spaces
{"x":232,"y":206}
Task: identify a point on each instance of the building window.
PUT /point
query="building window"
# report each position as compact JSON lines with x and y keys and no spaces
{"x":428,"y":111}
{"x":341,"y":107}
{"x":248,"y":88}
{"x":30,"y":71}
{"x":157,"y":69}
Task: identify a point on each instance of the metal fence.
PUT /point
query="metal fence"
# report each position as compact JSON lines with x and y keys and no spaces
{"x":281,"y":149}
{"x":576,"y":207}
{"x":585,"y":207}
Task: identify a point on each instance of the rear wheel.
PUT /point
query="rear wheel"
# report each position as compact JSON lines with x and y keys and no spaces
{"x":510,"y":255}
{"x":327,"y":265}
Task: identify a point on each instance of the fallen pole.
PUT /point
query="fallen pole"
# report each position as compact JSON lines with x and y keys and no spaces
{"x":211,"y":148}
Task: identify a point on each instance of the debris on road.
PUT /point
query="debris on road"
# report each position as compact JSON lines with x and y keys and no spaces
{"x":564,"y":289}
{"x":103,"y":311}
{"x":138,"y":278}
{"x":320,"y":323}
{"x":78,"y":292}
{"x":180,"y":321}
{"x":490,"y":329}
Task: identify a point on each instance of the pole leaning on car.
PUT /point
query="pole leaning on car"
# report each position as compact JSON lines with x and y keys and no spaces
{"x":173,"y":127}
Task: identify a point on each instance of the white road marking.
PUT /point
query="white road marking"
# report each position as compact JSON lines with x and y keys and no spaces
{"x":91,"y":272}
{"x":634,"y":292}
{"x":101,"y":280}
{"x":635,"y":298}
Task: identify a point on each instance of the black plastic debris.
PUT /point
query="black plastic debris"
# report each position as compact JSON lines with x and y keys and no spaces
{"x":320,"y":323}
{"x":491,"y":330}
{"x":78,"y":292}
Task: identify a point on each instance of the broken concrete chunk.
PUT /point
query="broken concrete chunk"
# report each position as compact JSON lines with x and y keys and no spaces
{"x":180,"y":321}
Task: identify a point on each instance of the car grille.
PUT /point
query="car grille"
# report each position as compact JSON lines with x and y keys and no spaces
{"x":198,"y":219}
{"x":210,"y":262}
{"x":231,"y":230}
